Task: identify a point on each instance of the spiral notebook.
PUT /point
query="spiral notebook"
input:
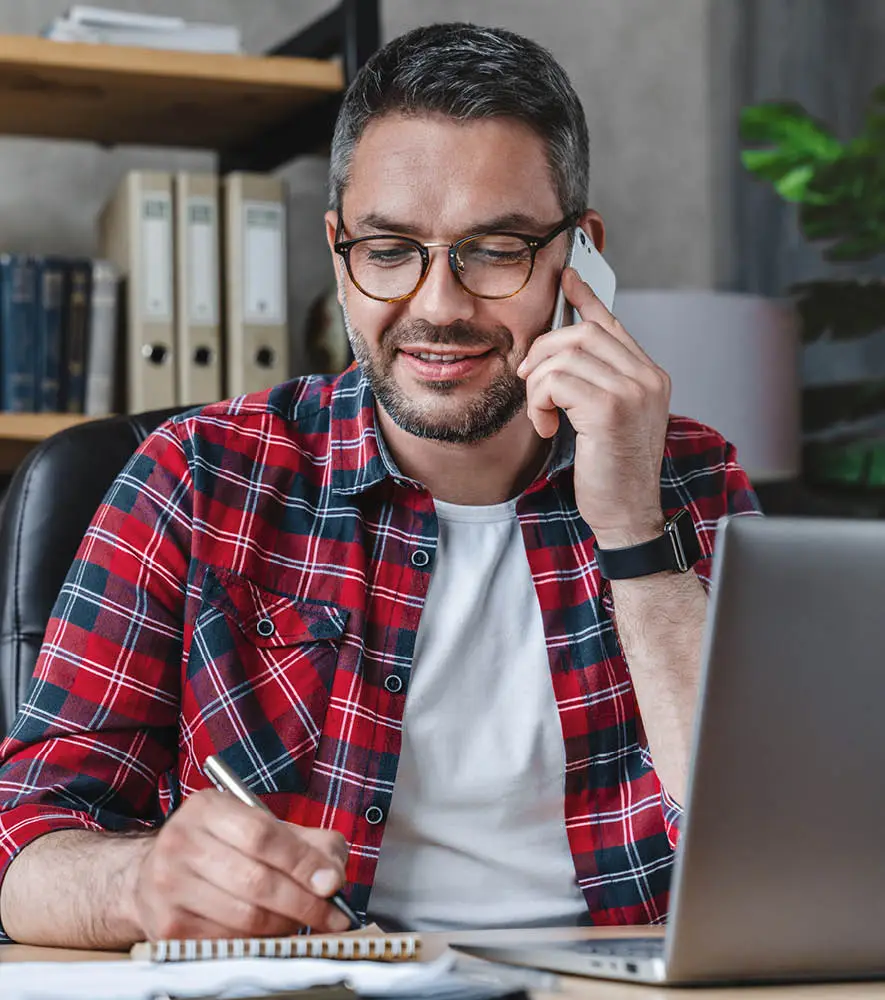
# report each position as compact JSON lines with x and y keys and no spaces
{"x":368,"y":945}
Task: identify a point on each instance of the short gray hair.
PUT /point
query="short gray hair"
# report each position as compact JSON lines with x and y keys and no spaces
{"x":468,"y":72}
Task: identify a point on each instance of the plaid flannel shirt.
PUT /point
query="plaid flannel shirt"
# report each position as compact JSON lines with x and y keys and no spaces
{"x":250,"y":585}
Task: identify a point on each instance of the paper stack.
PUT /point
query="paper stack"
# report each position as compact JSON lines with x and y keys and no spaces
{"x":114,"y":27}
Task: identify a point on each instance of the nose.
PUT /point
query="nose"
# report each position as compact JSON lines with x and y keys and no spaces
{"x":442,"y":300}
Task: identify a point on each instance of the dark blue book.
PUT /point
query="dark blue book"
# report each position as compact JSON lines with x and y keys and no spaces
{"x":50,"y":318}
{"x":18,"y":314}
{"x":75,"y":329}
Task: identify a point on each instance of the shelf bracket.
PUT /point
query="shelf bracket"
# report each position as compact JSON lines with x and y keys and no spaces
{"x":351,"y":31}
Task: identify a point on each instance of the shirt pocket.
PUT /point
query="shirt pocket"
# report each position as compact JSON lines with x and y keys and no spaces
{"x":261,"y":669}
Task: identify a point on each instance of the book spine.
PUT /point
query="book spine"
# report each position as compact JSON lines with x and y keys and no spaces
{"x":18,"y":307}
{"x":76,"y":326}
{"x":50,"y":315}
{"x":102,"y":342}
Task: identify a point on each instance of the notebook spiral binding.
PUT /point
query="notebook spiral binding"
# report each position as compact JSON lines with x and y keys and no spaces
{"x":392,"y":948}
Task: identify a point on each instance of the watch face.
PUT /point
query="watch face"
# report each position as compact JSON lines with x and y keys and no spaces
{"x":686,"y":547}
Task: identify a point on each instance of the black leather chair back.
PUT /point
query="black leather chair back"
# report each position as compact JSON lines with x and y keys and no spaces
{"x":46,"y":511}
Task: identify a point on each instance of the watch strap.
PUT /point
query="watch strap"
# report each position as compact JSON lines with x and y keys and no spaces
{"x":676,"y":550}
{"x":636,"y":560}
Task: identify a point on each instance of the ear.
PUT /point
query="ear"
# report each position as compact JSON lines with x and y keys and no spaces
{"x":592,"y":224}
{"x":331,"y":219}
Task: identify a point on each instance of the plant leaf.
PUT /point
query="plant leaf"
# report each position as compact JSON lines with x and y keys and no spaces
{"x":794,"y":185}
{"x":790,"y":125}
{"x":769,"y":164}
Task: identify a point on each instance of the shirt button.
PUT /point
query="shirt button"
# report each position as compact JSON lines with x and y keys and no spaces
{"x":393,"y":684}
{"x":420,"y":558}
{"x":265,"y":627}
{"x":374,"y":815}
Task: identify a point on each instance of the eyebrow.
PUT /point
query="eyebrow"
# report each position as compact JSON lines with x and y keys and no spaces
{"x":518,"y":222}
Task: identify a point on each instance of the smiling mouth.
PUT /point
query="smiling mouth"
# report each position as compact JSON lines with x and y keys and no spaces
{"x":450,"y":357}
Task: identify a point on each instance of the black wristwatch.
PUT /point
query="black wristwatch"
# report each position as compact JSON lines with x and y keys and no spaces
{"x":678,"y":549}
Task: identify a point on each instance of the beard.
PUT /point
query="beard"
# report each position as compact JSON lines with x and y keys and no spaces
{"x":439,"y":417}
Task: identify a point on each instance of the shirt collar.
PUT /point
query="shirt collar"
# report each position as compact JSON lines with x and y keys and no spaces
{"x":359,"y":456}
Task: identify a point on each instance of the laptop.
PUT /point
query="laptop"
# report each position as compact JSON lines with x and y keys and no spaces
{"x":780,"y":868}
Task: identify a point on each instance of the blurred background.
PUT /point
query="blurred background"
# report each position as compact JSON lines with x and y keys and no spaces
{"x":691,"y":230}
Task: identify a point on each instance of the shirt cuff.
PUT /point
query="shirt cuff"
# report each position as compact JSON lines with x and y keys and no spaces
{"x":672,"y":816}
{"x":21,"y":825}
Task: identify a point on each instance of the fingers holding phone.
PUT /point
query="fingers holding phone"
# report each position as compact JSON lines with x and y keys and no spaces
{"x":592,"y":268}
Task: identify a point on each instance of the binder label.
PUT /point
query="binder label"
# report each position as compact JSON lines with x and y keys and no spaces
{"x":202,"y":251}
{"x":264,"y":263}
{"x":156,"y":255}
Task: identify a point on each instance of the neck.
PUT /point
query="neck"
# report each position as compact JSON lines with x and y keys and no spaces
{"x":487,"y":472}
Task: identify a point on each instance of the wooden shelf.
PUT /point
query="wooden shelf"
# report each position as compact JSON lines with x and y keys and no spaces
{"x":20,"y":432}
{"x":119,"y":95}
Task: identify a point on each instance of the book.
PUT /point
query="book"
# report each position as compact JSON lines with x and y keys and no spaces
{"x":102,"y":343}
{"x":111,"y":27}
{"x":360,"y":945}
{"x":198,"y":302}
{"x":75,"y":330}
{"x":109,"y":17}
{"x":18,"y":315}
{"x":256,"y":282}
{"x":136,"y":236}
{"x":49,"y":330}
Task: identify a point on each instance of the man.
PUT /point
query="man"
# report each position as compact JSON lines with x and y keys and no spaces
{"x":378,"y":597}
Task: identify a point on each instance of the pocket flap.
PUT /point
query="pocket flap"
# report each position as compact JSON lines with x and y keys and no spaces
{"x":268,"y":618}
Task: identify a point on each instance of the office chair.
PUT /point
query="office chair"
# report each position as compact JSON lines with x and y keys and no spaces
{"x":46,"y":511}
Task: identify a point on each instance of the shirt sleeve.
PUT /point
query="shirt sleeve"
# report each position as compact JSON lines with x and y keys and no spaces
{"x":724,"y":489}
{"x":98,"y":728}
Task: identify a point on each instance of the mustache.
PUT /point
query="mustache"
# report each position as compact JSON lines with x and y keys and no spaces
{"x":454,"y":335}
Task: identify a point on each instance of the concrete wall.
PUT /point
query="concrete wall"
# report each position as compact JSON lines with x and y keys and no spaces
{"x":642,"y":68}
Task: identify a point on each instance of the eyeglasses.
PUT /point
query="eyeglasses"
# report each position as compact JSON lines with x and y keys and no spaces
{"x":487,"y":265}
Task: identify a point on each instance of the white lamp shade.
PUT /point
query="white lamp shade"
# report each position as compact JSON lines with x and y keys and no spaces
{"x":734,"y":363}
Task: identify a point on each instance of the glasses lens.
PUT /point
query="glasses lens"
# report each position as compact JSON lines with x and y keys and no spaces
{"x":385,"y":267}
{"x":494,"y":265}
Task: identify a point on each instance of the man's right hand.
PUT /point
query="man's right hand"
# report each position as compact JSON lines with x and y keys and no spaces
{"x":218,"y":868}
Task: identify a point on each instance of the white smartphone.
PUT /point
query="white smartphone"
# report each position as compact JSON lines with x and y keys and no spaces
{"x":594,"y":269}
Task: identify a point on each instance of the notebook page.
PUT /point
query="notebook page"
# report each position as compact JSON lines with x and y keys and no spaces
{"x":133,"y":980}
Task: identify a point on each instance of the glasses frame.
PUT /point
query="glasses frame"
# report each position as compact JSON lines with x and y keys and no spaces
{"x":534,"y":244}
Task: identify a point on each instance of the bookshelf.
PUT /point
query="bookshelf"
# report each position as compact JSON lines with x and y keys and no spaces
{"x":115,"y":95}
{"x":256,"y":112}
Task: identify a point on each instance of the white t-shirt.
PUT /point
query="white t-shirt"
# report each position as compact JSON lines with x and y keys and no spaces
{"x":476,"y":835}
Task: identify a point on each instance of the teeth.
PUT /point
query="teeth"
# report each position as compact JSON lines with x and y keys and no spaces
{"x":441,"y":357}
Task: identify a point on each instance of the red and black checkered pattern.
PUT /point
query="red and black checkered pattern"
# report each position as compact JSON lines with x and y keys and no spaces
{"x":251,"y":580}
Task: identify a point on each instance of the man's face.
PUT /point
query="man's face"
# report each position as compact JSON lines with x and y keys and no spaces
{"x":436,"y":180}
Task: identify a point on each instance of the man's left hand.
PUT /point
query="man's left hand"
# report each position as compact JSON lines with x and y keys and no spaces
{"x":618,"y":401}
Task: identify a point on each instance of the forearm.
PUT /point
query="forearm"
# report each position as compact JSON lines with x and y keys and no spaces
{"x":74,"y":889}
{"x":660,"y":621}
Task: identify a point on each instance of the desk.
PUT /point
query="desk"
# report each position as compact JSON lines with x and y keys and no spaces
{"x":573,"y":988}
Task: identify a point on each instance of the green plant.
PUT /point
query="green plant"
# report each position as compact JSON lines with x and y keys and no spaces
{"x":839,"y":186}
{"x":840,"y":191}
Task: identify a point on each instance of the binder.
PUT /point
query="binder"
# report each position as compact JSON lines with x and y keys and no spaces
{"x":198,"y":300}
{"x":50,"y":328}
{"x":136,"y":236}
{"x":101,"y":353}
{"x":75,"y":334}
{"x":18,"y":318}
{"x":256,"y":280}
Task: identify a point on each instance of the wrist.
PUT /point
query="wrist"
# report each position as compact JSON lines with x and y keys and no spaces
{"x":630,"y":533}
{"x":134,"y":851}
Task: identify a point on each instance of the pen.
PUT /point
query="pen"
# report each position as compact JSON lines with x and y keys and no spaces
{"x":225,"y":780}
